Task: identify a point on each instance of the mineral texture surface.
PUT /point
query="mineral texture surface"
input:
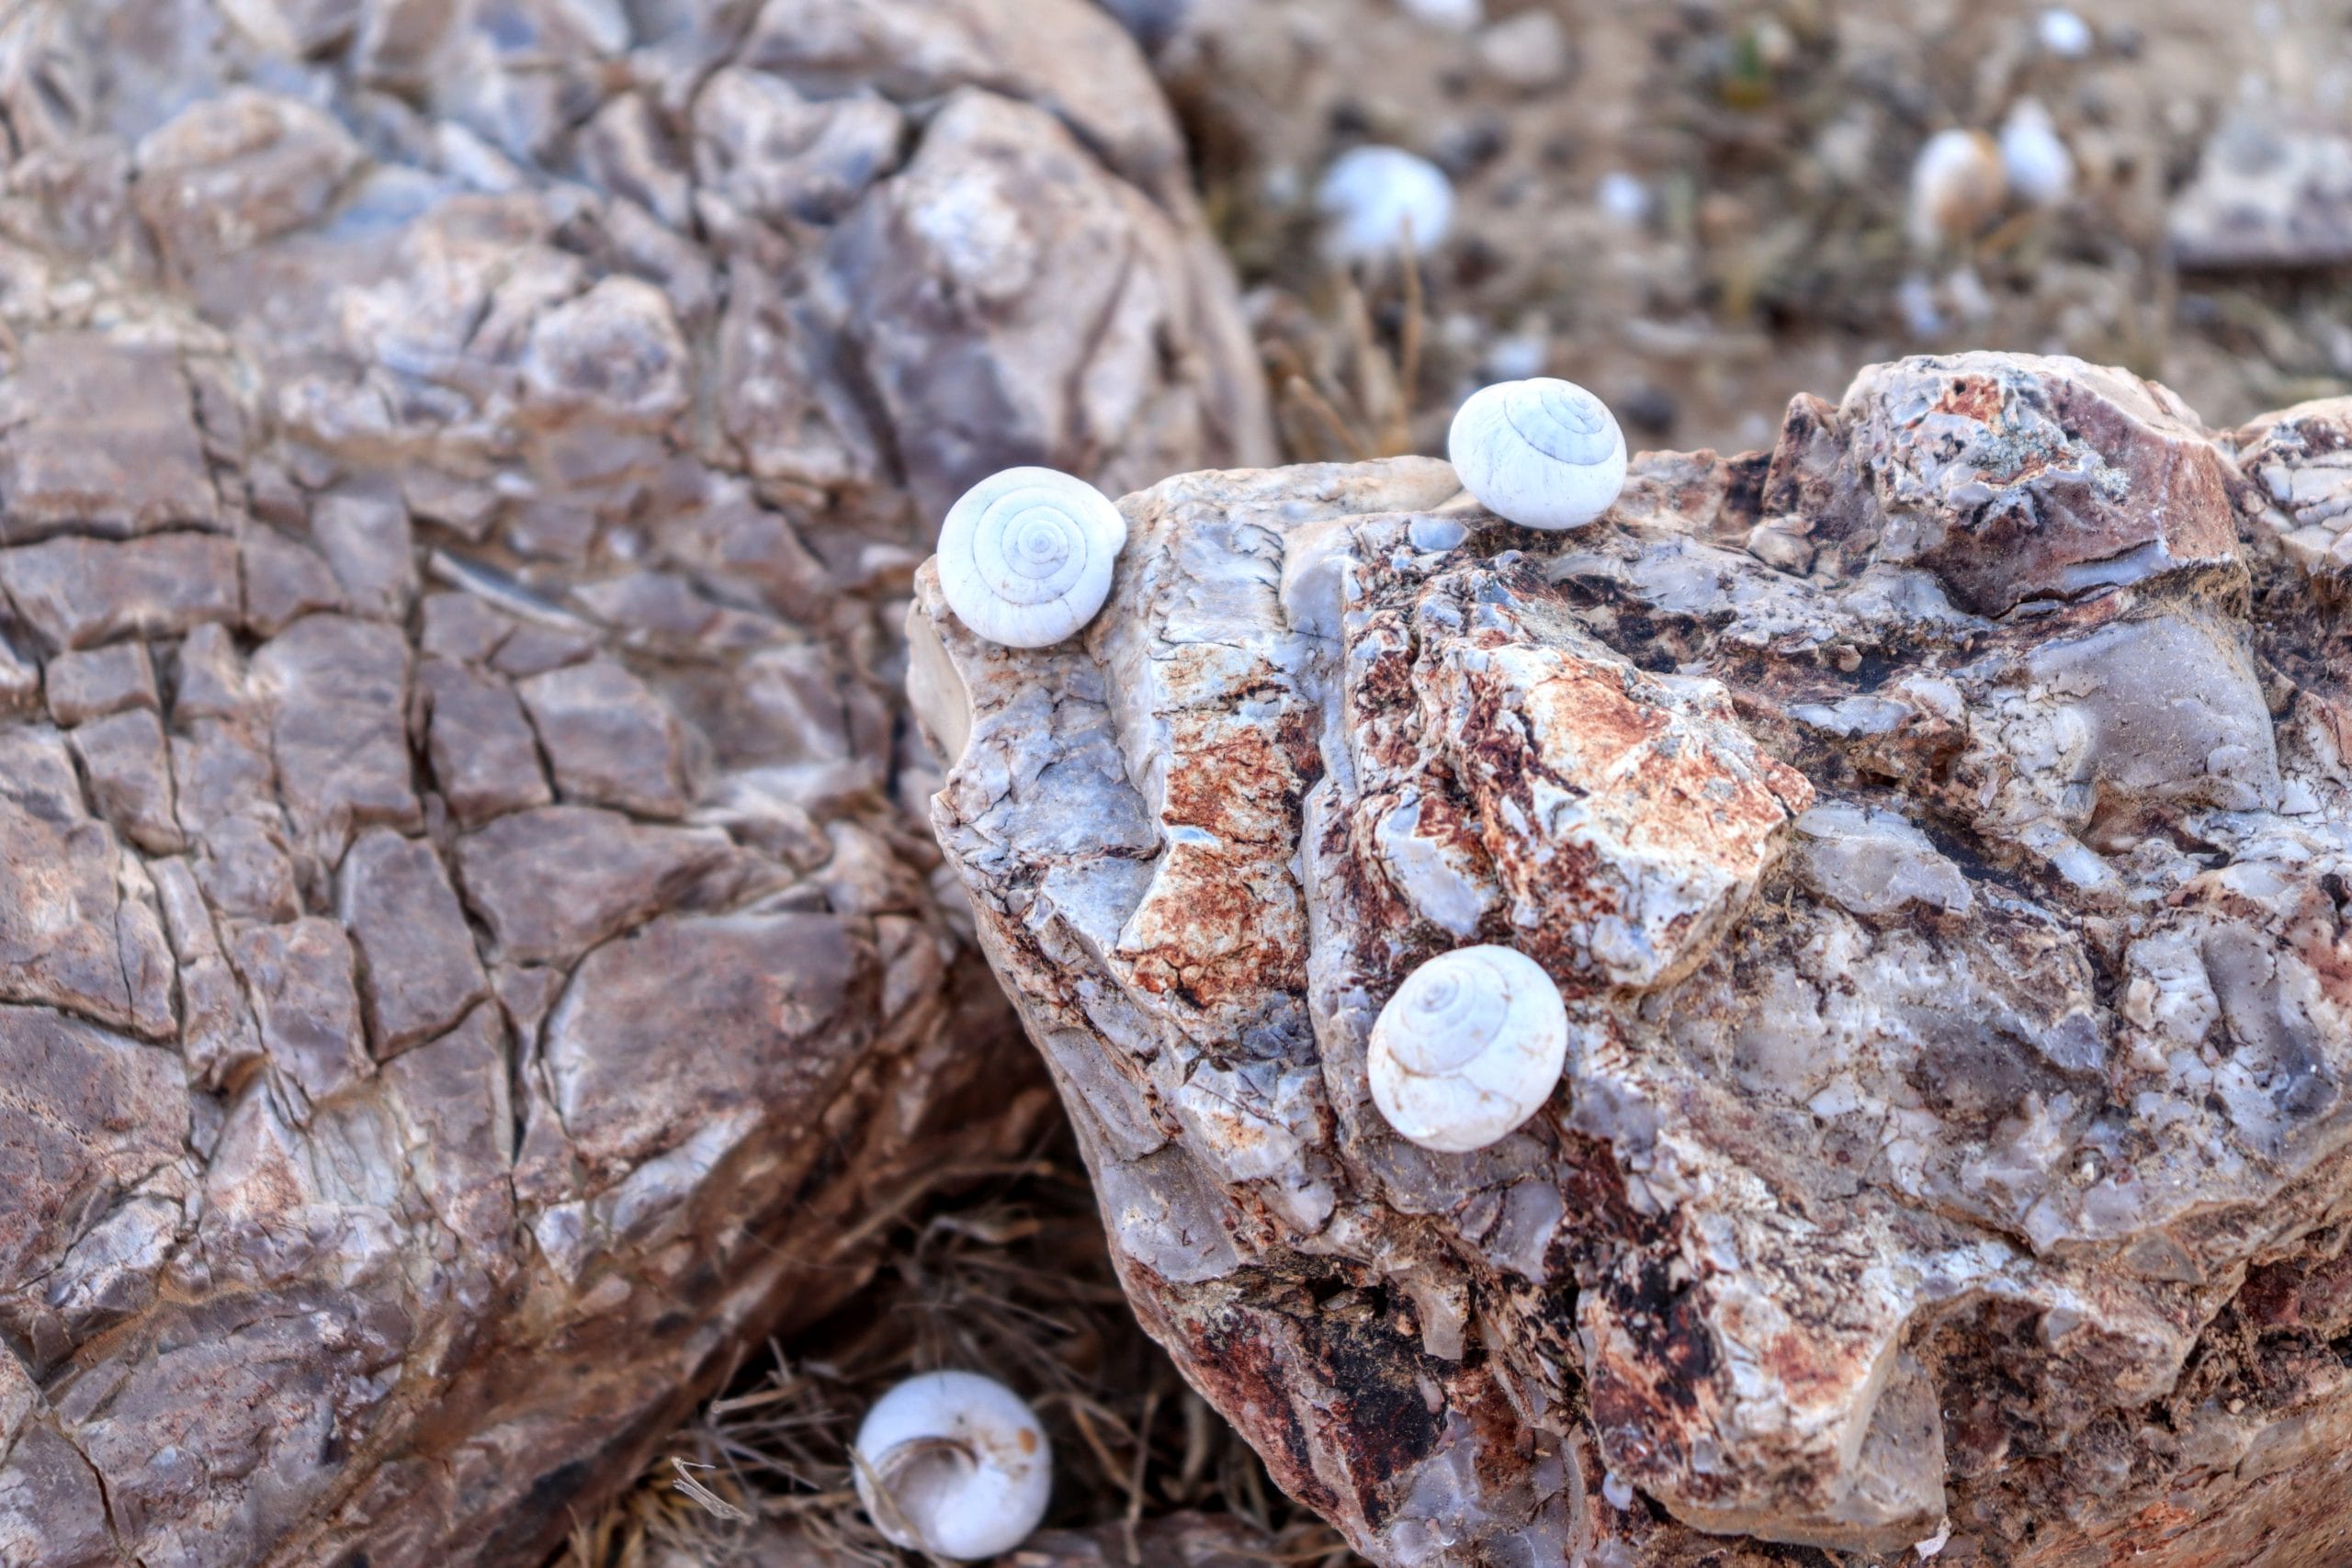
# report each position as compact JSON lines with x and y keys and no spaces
{"x":465,"y":970}
{"x":1939,"y":829}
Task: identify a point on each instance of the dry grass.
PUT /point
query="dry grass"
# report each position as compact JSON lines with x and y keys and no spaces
{"x":1009,"y":1278}
{"x":1348,"y":371}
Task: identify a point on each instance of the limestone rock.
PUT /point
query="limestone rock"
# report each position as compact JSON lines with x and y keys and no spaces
{"x":1953,"y":1150}
{"x":466,"y":968}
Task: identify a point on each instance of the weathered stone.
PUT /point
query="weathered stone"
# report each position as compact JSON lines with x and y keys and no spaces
{"x":52,"y":1508}
{"x":227,"y":172}
{"x":2014,"y":487}
{"x":129,"y":772}
{"x":965,"y":209}
{"x":452,"y":1101}
{"x":609,"y":740}
{"x":368,"y":543}
{"x":421,"y":974}
{"x":284,"y":581}
{"x":77,"y":592}
{"x":100,"y":1113}
{"x":406,"y":1154}
{"x":102,"y":682}
{"x":306,"y":1002}
{"x":551,"y":883}
{"x":776,"y":155}
{"x":1952,"y":937}
{"x":484,"y":756}
{"x":106,"y":442}
{"x":58,"y":886}
{"x":217,"y":1034}
{"x":336,"y":691}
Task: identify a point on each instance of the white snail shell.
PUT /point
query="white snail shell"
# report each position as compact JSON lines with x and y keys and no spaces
{"x":1468,"y":1048}
{"x":2039,"y":170}
{"x":1371,"y":199}
{"x":963,"y":1461}
{"x":1026,"y":556}
{"x":1956,"y":187}
{"x":1546,"y":453}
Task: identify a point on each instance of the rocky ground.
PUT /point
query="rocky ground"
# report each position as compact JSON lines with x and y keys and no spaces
{"x":1698,"y":209}
{"x":464,"y":470}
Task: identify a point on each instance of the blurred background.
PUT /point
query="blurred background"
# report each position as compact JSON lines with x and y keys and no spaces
{"x":1698,"y":209}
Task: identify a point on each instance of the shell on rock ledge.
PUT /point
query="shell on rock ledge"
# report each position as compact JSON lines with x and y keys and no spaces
{"x":1026,"y":556}
{"x":1544,"y":454}
{"x":1468,"y":1048}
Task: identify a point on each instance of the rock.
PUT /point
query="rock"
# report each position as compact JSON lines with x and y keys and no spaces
{"x":2265,"y":195}
{"x":465,"y":974}
{"x":108,"y":444}
{"x":1953,"y":1137}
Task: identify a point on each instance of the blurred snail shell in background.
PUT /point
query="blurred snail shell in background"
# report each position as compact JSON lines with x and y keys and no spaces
{"x":1468,"y":1048}
{"x":1544,"y":453}
{"x":1373,"y":198}
{"x":1026,"y":556}
{"x":1957,"y":185}
{"x":954,"y":1464}
{"x":1446,"y":15}
{"x":2039,"y":171}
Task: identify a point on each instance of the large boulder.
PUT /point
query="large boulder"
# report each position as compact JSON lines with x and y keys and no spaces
{"x":1939,"y":830}
{"x":466,"y":971}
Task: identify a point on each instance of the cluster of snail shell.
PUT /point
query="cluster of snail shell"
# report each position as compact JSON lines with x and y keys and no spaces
{"x":955,"y":1466}
{"x":1468,"y":1048}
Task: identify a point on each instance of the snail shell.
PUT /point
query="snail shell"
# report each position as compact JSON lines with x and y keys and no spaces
{"x":1956,"y":187}
{"x":1026,"y":556}
{"x":1371,"y":197}
{"x":2039,"y":170}
{"x":1546,"y":453}
{"x":954,"y":1464}
{"x":1468,"y":1048}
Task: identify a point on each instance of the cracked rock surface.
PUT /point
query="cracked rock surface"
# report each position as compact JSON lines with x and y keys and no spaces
{"x":465,"y":970}
{"x":1938,"y":828}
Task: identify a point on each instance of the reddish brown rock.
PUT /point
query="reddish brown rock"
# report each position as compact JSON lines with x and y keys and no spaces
{"x":1940,"y":849}
{"x":466,"y":972}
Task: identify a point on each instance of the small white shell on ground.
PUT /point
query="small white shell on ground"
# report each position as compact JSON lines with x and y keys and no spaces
{"x":1956,"y":187}
{"x":1370,"y":197}
{"x":1447,"y":16}
{"x":963,"y":1464}
{"x":1622,"y":196}
{"x":1469,"y":1047}
{"x":1546,"y":453}
{"x":2040,"y":170}
{"x":2063,"y":33}
{"x":1026,"y":556}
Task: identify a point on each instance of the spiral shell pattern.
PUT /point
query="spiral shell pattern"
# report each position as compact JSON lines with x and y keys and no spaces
{"x":1544,"y":454}
{"x":1026,"y":556}
{"x":1468,"y":1048}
